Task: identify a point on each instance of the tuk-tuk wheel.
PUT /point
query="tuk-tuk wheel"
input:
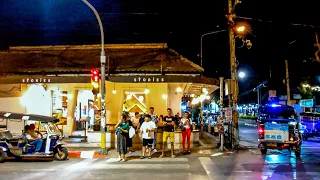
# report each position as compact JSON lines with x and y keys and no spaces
{"x":3,"y":156}
{"x":263,"y":151}
{"x":63,"y":155}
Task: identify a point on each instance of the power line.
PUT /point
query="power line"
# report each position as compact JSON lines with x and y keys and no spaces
{"x":269,"y":21}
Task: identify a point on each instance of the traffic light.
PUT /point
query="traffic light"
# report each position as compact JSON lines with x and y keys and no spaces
{"x":95,"y":78}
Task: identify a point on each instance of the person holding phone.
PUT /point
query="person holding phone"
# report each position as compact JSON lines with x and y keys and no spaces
{"x":122,"y":129}
{"x":147,"y":132}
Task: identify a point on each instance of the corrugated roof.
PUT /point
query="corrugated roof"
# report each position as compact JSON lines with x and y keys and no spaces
{"x":152,"y":58}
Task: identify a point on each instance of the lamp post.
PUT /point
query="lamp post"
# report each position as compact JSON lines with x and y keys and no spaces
{"x":209,"y":33}
{"x":238,"y":29}
{"x":103,"y":79}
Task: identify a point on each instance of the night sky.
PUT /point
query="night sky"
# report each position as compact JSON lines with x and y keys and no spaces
{"x":180,"y":24}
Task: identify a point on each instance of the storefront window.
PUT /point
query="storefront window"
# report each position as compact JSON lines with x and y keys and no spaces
{"x":60,"y":105}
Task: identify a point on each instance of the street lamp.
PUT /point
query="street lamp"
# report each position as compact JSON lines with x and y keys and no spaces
{"x":242,"y":75}
{"x":241,"y":28}
{"x":103,"y":79}
{"x":238,"y":29}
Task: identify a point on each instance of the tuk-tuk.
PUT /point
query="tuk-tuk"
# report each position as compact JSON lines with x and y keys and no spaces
{"x":20,"y":147}
{"x":279,"y":128}
{"x":311,"y":124}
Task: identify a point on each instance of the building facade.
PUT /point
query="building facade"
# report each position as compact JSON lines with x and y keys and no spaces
{"x":55,"y":80}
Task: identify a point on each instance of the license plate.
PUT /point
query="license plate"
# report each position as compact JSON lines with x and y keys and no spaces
{"x":271,"y":144}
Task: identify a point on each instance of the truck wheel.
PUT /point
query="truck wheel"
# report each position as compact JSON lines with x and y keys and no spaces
{"x":3,"y":156}
{"x":263,"y":151}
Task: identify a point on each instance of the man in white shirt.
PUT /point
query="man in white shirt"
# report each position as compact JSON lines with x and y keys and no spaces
{"x":147,"y":131}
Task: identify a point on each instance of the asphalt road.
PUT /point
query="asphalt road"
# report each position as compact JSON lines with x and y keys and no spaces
{"x":205,"y":164}
{"x":201,"y":165}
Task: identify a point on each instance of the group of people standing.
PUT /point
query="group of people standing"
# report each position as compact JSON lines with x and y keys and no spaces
{"x":147,"y":125}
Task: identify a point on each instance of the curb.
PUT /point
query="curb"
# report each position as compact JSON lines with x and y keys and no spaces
{"x":86,"y":154}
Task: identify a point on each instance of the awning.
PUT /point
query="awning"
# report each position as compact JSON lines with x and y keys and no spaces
{"x":196,"y":88}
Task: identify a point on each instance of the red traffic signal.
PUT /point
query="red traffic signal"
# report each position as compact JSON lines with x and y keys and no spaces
{"x":95,"y":75}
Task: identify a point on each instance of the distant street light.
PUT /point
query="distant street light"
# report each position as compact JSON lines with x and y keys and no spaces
{"x":241,"y":28}
{"x":242,"y":75}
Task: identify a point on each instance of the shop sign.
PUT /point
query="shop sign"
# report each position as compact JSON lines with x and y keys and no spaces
{"x":148,"y":79}
{"x":36,"y":80}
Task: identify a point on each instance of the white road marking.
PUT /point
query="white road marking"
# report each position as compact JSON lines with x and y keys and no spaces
{"x":82,"y":164}
{"x":217,"y":154}
{"x":152,"y":160}
{"x":207,"y":165}
{"x":124,"y":165}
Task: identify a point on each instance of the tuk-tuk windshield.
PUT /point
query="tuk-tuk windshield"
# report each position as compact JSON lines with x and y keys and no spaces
{"x":278,"y":111}
{"x":54,"y":129}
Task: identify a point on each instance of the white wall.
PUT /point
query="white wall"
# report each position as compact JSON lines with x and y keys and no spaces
{"x":12,"y":104}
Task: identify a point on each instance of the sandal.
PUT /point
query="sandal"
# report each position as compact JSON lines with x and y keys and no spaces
{"x":119,"y":160}
{"x":161,"y":156}
{"x":141,"y":157}
{"x":149,"y":157}
{"x":184,"y":152}
{"x":188,"y":151}
{"x":173,"y":156}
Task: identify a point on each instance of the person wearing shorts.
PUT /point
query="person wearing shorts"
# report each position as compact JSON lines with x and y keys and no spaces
{"x":147,"y":131}
{"x":168,"y":123}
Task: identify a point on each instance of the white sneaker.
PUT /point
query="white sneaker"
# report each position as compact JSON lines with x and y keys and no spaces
{"x":155,"y":150}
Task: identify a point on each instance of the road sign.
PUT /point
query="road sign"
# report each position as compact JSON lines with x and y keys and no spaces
{"x":229,"y":114}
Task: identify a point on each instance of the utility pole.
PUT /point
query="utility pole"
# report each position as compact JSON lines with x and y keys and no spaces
{"x":233,"y":67}
{"x":288,"y":85}
{"x":220,"y":120}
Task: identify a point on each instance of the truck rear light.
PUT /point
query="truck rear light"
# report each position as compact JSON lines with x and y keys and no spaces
{"x":261,"y":131}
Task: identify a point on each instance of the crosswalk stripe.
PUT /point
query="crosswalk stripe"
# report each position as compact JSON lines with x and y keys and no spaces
{"x":125,"y":165}
{"x":207,"y":165}
{"x":81,"y":164}
{"x":152,"y":160}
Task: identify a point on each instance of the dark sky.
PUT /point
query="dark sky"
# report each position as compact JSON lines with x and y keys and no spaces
{"x":180,"y":24}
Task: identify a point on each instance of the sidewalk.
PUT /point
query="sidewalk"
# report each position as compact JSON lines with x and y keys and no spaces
{"x":91,"y":150}
{"x":242,"y":144}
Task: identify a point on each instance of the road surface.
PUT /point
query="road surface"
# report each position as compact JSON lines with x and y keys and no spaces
{"x":205,"y":164}
{"x":200,"y":165}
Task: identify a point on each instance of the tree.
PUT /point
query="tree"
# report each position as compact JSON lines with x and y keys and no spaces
{"x":305,"y":91}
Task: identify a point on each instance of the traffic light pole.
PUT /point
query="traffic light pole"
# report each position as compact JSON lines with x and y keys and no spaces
{"x":233,"y":67}
{"x":103,"y":80}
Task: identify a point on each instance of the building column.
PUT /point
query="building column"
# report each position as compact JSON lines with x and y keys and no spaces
{"x":72,"y":104}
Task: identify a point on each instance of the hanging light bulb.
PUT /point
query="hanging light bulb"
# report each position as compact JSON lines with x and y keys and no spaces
{"x":114,"y":91}
{"x":164,"y":96}
{"x":146,"y":91}
{"x":179,"y":89}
